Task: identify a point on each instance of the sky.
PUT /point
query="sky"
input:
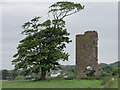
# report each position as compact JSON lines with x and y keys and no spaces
{"x":99,"y":16}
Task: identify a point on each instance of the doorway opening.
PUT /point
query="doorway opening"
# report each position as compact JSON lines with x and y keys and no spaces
{"x":89,"y":71}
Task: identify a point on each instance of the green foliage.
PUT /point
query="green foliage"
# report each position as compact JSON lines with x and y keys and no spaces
{"x":102,"y":65}
{"x":65,"y":8}
{"x":9,"y":74}
{"x":0,"y":75}
{"x":110,"y":69}
{"x":14,"y":74}
{"x":28,"y":78}
{"x":92,"y":78}
{"x":70,"y":77}
{"x":59,"y":77}
{"x":107,"y":69}
{"x":103,"y":73}
{"x":68,"y":68}
{"x":116,"y":71}
{"x":5,"y":74}
{"x":44,"y":44}
{"x":19,"y":78}
{"x":115,"y":64}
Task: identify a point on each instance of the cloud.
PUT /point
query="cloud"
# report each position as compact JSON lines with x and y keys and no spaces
{"x":101,"y":17}
{"x":59,"y":0}
{"x":0,"y":35}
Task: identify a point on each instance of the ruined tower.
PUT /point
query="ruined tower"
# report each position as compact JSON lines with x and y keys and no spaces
{"x":87,"y":54}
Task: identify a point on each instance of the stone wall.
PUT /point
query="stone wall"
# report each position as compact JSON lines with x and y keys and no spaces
{"x":87,"y":53}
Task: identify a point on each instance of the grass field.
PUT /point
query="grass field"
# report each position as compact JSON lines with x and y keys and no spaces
{"x":114,"y":84}
{"x":53,"y":84}
{"x":58,"y":83}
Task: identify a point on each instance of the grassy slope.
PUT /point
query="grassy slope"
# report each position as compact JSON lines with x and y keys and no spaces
{"x":53,"y":84}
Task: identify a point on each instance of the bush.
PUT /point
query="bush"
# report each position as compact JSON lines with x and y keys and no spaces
{"x":104,"y":73}
{"x":35,"y":77}
{"x":19,"y":78}
{"x":28,"y":78}
{"x":58,"y":77}
{"x":70,"y":77}
{"x":92,"y":78}
{"x":116,"y":71}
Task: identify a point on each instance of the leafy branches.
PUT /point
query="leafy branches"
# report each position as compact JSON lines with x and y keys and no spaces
{"x":60,"y":10}
{"x":43,"y":47}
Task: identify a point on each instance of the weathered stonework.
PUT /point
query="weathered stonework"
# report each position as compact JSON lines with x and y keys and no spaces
{"x":87,"y":53}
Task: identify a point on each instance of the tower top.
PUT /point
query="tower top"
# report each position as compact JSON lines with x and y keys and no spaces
{"x":88,"y":32}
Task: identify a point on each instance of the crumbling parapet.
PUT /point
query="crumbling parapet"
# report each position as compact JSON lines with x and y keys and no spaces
{"x":87,"y":53}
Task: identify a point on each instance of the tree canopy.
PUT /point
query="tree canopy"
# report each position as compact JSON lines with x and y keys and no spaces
{"x":43,"y":47}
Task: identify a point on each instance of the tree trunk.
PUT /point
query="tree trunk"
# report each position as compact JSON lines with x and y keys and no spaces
{"x":43,"y":74}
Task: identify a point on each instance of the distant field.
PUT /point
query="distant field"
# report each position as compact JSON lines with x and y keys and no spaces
{"x":53,"y":84}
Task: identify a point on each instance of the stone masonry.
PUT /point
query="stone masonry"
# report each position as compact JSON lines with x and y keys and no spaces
{"x":87,"y":53}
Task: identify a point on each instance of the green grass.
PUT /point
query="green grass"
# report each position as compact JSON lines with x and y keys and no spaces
{"x":109,"y":82}
{"x":114,"y":84}
{"x":53,"y":84}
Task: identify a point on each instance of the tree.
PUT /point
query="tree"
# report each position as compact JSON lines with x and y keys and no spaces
{"x":107,"y":69}
{"x":116,"y":71}
{"x":14,"y":74}
{"x":43,"y":47}
{"x":5,"y":74}
{"x":104,"y":73}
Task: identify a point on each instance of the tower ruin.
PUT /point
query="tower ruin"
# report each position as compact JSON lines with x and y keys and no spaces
{"x":87,"y":54}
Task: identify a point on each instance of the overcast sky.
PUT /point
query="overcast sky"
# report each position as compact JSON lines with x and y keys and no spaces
{"x":101,"y":17}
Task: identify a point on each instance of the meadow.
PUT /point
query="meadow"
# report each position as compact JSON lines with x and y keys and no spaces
{"x":62,"y":83}
{"x":114,"y":84}
{"x":52,"y":84}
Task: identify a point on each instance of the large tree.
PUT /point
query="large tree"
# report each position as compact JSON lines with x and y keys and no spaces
{"x":43,"y":47}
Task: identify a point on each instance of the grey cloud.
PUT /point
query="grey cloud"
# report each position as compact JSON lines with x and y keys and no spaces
{"x":101,"y":17}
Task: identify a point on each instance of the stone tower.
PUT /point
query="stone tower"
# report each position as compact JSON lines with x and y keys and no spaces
{"x":87,"y":54}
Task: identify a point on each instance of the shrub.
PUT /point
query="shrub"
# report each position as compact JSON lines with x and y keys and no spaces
{"x":28,"y":78}
{"x":116,"y":71}
{"x":104,"y":73}
{"x":19,"y":78}
{"x":35,"y":77}
{"x":70,"y":77}
{"x":58,"y":77}
{"x":92,"y":78}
